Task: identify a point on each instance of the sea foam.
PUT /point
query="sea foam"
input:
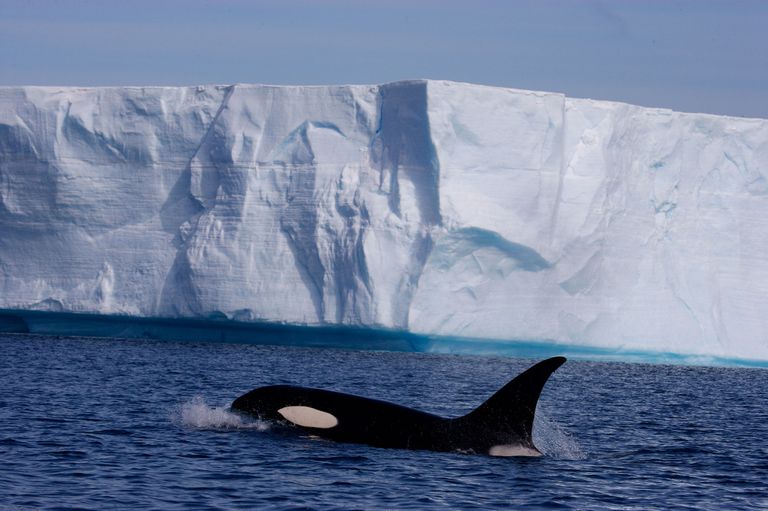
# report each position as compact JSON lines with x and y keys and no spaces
{"x":554,"y":440}
{"x":198,"y":414}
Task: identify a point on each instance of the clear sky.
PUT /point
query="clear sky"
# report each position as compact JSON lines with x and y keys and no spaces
{"x":690,"y":55}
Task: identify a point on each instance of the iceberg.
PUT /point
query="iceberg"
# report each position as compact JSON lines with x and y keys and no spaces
{"x":427,"y":207}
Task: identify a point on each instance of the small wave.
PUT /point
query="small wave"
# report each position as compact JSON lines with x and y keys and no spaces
{"x":554,"y":441}
{"x":112,"y":432}
{"x":198,"y":414}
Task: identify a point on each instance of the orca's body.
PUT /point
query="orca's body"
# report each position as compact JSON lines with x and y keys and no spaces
{"x":501,"y":426}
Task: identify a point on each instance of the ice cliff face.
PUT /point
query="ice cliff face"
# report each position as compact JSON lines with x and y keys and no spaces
{"x":435,"y":207}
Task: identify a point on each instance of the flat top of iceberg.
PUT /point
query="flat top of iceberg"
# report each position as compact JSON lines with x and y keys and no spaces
{"x":71,"y":89}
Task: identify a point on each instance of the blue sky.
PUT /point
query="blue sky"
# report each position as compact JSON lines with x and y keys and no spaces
{"x":690,"y":55}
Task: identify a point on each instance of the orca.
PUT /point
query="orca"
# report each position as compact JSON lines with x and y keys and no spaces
{"x":501,"y":426}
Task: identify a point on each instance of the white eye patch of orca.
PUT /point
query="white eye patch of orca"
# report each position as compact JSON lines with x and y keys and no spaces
{"x":308,"y":417}
{"x":512,"y":450}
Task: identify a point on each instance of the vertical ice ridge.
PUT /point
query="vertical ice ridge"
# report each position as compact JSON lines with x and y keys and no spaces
{"x":299,"y":224}
{"x":561,"y":169}
{"x":186,"y":204}
{"x":204,"y":163}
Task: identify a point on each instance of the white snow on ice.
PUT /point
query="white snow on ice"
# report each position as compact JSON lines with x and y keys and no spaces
{"x":431,"y":206}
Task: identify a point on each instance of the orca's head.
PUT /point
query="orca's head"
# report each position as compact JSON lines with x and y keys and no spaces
{"x":284,"y":403}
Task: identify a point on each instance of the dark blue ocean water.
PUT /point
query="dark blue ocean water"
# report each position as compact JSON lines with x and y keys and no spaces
{"x":131,"y":424}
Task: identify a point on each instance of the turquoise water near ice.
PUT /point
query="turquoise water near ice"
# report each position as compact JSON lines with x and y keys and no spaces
{"x":91,"y":423}
{"x":221,"y":329}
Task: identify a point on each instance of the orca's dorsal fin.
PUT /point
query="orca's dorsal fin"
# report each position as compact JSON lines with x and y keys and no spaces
{"x":510,"y":411}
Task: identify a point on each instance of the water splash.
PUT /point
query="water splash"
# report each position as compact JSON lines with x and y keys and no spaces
{"x":554,"y":441}
{"x":198,"y":414}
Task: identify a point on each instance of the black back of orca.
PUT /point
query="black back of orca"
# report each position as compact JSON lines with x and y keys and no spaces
{"x":502,"y":425}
